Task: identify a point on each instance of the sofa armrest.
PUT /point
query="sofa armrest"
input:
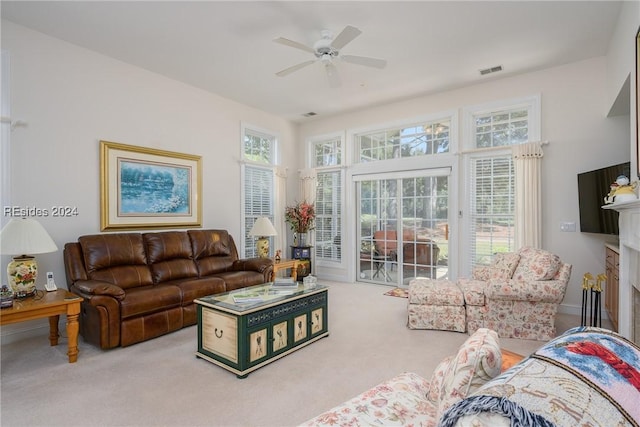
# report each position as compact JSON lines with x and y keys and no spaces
{"x":98,"y":287}
{"x":253,"y":264}
{"x":551,"y":291}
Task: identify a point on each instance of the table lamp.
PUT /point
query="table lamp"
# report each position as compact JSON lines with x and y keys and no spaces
{"x":24,"y":236}
{"x":263,"y":228}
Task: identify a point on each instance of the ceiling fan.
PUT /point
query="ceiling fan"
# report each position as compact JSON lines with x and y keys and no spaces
{"x":326,"y":50}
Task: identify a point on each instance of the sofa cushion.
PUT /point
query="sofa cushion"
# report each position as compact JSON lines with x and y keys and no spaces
{"x":478,"y":360}
{"x":213,"y":251}
{"x":504,"y":265}
{"x":116,"y":258}
{"x":111,"y":250}
{"x":536,"y":264}
{"x":197,"y":288}
{"x":170,"y":256}
{"x":149,"y":299}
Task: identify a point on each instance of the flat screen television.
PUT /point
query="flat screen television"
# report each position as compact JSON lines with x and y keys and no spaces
{"x":593,"y":186}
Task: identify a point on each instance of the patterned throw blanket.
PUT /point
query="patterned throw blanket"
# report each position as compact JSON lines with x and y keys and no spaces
{"x":587,"y":376}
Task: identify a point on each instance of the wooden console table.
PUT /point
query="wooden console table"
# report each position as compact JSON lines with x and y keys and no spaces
{"x":286,"y":263}
{"x":51,"y":305}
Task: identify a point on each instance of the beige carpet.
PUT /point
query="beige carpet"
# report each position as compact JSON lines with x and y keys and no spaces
{"x":161,"y":383}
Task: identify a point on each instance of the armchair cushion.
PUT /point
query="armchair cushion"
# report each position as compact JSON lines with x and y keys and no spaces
{"x":503,"y":266}
{"x":533,"y":291}
{"x":536,"y":264}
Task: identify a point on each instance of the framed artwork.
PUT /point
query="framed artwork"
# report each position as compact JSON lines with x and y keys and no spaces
{"x":316,"y":320}
{"x":300,"y":328}
{"x":144,"y":188}
{"x":257,"y":345}
{"x":280,"y":336}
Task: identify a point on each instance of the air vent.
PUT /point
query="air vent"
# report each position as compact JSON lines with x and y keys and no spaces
{"x":309,"y":114}
{"x":491,"y":70}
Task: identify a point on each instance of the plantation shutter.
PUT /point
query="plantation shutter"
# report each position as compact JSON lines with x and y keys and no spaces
{"x":328,"y":214}
{"x":258,"y":202}
{"x":492,"y":208}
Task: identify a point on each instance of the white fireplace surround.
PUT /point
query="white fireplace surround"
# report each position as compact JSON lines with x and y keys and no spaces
{"x":629,"y":223}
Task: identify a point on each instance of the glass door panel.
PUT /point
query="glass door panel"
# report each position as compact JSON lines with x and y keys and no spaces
{"x":394,"y":251}
{"x":378,"y":223}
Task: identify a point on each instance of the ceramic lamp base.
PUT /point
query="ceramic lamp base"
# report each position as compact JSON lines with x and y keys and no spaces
{"x":22,"y":273}
{"x":262,"y":247}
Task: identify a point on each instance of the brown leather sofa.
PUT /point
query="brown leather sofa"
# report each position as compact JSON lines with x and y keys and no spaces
{"x":140,"y":286}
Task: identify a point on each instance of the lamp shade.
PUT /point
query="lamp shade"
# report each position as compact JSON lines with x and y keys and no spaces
{"x":263,"y":227}
{"x":25,"y":236}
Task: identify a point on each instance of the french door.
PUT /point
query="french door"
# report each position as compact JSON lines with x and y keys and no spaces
{"x":403,"y":230}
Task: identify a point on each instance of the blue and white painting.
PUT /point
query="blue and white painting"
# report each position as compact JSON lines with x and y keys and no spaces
{"x":148,"y":189}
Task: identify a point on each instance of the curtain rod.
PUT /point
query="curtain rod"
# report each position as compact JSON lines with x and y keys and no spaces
{"x":502,"y":147}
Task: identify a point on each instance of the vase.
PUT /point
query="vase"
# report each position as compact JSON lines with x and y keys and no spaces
{"x":302,"y":239}
{"x":22,"y":273}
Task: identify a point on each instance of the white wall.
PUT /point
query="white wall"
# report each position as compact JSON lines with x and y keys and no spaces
{"x":621,"y":68}
{"x":72,"y":98}
{"x":573,"y":121}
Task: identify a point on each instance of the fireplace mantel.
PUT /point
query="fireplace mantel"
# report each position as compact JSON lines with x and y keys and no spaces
{"x":629,"y":224}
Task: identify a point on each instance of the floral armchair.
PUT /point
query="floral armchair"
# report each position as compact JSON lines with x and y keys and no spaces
{"x":517,"y":295}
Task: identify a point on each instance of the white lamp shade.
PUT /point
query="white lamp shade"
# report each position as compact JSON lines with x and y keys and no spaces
{"x":25,"y":236}
{"x":263,"y":227}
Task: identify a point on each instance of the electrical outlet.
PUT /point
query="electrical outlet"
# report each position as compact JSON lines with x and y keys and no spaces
{"x":567,"y":226}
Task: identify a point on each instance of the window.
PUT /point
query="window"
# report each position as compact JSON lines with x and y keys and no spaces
{"x":258,"y":152}
{"x":492,"y":207}
{"x":327,"y":159}
{"x":492,"y":177}
{"x":407,"y":141}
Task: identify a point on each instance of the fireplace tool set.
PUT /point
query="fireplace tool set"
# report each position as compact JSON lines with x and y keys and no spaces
{"x":591,"y":292}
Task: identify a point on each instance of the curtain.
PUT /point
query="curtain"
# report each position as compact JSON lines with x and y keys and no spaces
{"x":280,"y":241}
{"x":528,"y":194}
{"x":308,"y":182}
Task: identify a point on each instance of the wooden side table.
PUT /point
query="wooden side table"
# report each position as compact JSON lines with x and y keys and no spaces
{"x":51,"y":305}
{"x":286,"y":263}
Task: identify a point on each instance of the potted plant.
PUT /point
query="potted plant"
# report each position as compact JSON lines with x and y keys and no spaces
{"x":301,"y":217}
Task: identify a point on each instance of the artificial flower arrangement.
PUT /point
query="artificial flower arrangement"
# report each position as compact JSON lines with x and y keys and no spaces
{"x":301,"y":217}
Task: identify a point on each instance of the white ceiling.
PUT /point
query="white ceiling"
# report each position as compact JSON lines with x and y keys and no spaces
{"x":227,"y":47}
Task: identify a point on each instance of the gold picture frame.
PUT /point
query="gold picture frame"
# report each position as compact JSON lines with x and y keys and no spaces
{"x":144,"y":188}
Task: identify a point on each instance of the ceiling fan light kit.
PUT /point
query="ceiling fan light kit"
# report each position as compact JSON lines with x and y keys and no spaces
{"x":326,"y":50}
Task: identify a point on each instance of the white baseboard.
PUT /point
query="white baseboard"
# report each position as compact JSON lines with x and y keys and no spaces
{"x":577,"y":310}
{"x":19,"y":331}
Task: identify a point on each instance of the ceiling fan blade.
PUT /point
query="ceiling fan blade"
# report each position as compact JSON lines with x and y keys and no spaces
{"x":332,"y":75}
{"x":290,"y":70}
{"x":349,"y":33}
{"x":364,"y":60}
{"x":295,"y":44}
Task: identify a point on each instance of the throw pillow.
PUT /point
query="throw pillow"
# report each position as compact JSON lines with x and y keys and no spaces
{"x":435,"y":384}
{"x":504,"y":265}
{"x":536,"y":264}
{"x":478,"y":360}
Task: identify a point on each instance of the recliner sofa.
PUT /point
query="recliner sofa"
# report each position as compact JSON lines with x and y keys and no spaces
{"x":140,"y":286}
